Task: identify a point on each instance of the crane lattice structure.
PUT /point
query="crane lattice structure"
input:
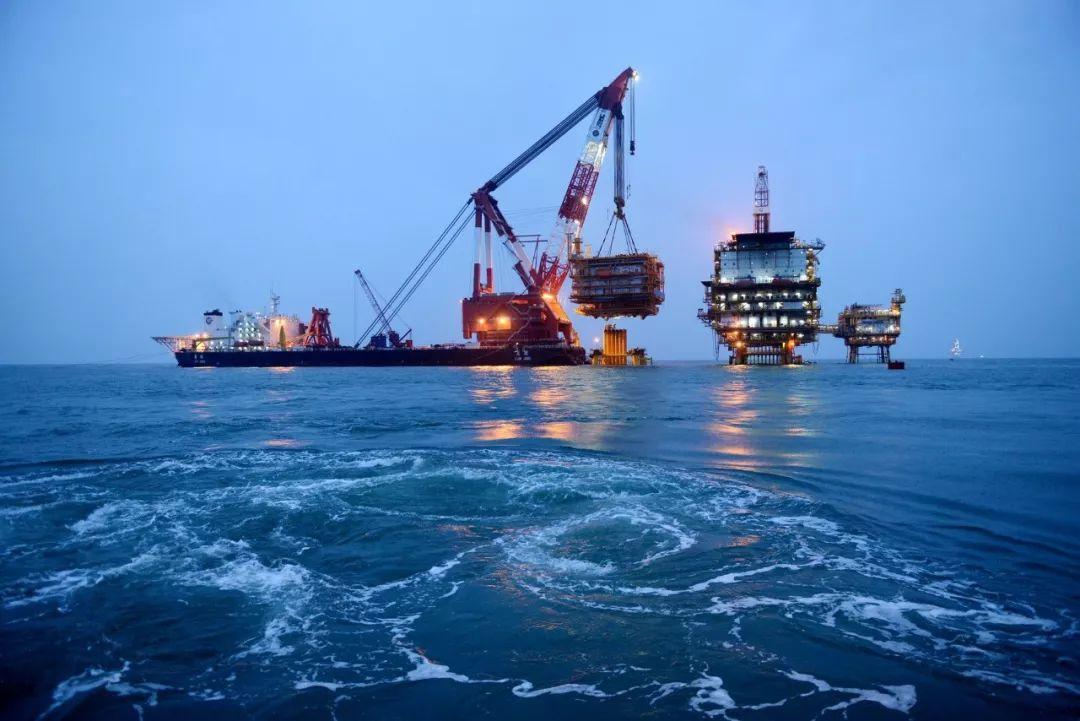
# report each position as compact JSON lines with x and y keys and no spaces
{"x":384,"y":335}
{"x":535,"y":315}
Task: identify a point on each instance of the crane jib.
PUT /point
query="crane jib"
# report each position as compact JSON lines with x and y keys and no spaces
{"x":607,"y":105}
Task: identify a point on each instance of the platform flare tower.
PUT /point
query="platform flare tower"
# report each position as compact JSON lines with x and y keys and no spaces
{"x":762,"y":297}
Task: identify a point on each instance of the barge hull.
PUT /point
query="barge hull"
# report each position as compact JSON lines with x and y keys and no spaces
{"x":516,"y":355}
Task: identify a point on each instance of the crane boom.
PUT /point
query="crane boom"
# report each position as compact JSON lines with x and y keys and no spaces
{"x":383,"y":323}
{"x":536,"y":315}
{"x":605,"y":106}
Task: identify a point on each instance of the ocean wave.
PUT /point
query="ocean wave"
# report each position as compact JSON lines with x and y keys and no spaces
{"x":346,"y":570}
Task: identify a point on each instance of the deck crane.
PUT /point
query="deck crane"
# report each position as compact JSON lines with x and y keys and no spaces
{"x":535,"y":315}
{"x":384,"y":336}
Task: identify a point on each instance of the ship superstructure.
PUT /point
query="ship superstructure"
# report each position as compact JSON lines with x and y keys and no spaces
{"x":762,"y":300}
{"x":241,"y":330}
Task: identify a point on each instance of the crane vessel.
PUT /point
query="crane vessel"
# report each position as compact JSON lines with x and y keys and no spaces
{"x":525,"y":327}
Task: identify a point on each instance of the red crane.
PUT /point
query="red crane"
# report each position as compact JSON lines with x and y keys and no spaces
{"x":536,"y":314}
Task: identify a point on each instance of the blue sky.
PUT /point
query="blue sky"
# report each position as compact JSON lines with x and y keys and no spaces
{"x":160,"y":159}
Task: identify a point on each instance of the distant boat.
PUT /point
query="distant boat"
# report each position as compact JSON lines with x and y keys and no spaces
{"x":956,"y":350}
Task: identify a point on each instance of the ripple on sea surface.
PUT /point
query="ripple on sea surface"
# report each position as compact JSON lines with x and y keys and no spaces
{"x":527,"y":577}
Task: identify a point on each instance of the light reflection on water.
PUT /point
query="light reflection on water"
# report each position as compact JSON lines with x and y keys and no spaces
{"x":201,"y":410}
{"x":498,"y":430}
{"x":587,"y":435}
{"x":747,"y":440}
{"x":541,"y":404}
{"x":733,"y":418}
{"x":284,"y":443}
{"x":550,"y":397}
{"x":492,"y":383}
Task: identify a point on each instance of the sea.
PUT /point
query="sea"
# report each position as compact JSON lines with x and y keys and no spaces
{"x":681,"y":541}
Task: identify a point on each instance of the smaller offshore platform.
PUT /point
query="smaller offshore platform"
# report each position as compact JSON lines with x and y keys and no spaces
{"x":762,"y":300}
{"x":870,"y":329}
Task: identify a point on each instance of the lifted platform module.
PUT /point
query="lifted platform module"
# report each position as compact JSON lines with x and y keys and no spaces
{"x":631,"y":284}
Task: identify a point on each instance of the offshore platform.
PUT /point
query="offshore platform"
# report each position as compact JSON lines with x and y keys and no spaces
{"x":873,"y":328}
{"x":762,"y":300}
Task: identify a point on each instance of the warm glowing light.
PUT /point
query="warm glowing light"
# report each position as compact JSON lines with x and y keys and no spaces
{"x":481,"y":321}
{"x":584,"y":200}
{"x":557,"y":430}
{"x":547,"y":296}
{"x":499,"y":430}
{"x":282,"y":443}
{"x":550,"y":397}
{"x":504,"y":321}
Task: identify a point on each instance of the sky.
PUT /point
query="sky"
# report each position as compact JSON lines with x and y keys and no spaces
{"x":161,"y":159}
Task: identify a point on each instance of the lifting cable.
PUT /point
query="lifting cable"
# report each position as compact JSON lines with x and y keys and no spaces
{"x":408,"y":287}
{"x":608,"y":241}
{"x":431,"y":266}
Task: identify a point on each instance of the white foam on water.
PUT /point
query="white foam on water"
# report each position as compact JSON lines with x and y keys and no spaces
{"x":895,"y":698}
{"x":251,"y":577}
{"x":531,"y":548}
{"x":608,"y":507}
{"x":736,"y":576}
{"x":525,"y":689}
{"x":16,"y":511}
{"x":813,"y":522}
{"x":664,"y":690}
{"x":723,"y":579}
{"x":271,"y":643}
{"x":891,"y":614}
{"x":34,"y":479}
{"x":285,"y":587}
{"x":59,"y":586}
{"x":207,"y":694}
{"x":115,"y":518}
{"x":90,"y":679}
{"x":330,"y":686}
{"x":276,"y":460}
{"x":1033,"y":682}
{"x":711,"y":699}
{"x":440,"y":570}
{"x":426,"y":670}
{"x":149,"y":691}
